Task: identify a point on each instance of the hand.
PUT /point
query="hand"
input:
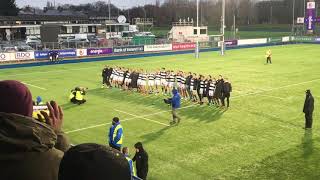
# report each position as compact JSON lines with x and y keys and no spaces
{"x":55,"y":117}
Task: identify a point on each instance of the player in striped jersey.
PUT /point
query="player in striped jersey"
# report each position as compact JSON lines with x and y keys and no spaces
{"x":151,"y":78}
{"x":139,"y":80}
{"x":211,"y":89}
{"x":178,"y":83}
{"x":172,"y":80}
{"x":144,"y":82}
{"x":193,"y":87}
{"x":127,"y":80}
{"x":120,"y":77}
{"x":114,"y":76}
{"x":183,"y":85}
{"x":201,"y":88}
{"x":157,"y":82}
{"x":163,"y":75}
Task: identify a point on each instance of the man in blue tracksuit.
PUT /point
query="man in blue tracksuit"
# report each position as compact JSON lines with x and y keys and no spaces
{"x":116,"y":134}
{"x":175,"y":103}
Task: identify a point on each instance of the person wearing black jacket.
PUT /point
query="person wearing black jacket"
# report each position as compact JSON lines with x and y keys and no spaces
{"x":219,"y":89}
{"x":308,"y":109}
{"x":108,"y":75}
{"x":141,"y":159}
{"x":104,"y":76}
{"x":188,"y":83}
{"x":227,"y":89}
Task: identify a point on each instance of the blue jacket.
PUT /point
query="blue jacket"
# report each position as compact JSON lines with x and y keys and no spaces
{"x":175,"y":102}
{"x":118,"y":136}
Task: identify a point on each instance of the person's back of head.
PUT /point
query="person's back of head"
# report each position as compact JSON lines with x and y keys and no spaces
{"x":93,"y":161}
{"x":139,"y":146}
{"x":15,"y":98}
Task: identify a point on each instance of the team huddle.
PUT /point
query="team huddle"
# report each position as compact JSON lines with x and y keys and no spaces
{"x":195,"y":87}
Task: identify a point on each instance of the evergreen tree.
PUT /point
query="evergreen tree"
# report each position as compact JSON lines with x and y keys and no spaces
{"x":8,"y":8}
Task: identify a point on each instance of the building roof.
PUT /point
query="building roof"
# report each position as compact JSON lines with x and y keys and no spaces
{"x":29,"y":17}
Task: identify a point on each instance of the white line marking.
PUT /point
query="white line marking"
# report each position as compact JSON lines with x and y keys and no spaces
{"x":56,"y":71}
{"x":282,"y":87}
{"x":34,"y":86}
{"x":90,"y":127}
{"x":98,"y":125}
{"x":273,"y":97}
{"x":94,"y":126}
{"x":147,"y":119}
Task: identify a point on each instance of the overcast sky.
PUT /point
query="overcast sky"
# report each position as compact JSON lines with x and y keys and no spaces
{"x":120,"y":3}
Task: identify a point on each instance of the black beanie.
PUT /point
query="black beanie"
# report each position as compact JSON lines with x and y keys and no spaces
{"x":94,"y":162}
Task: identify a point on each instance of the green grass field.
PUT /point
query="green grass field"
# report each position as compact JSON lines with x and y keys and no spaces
{"x":259,"y":137}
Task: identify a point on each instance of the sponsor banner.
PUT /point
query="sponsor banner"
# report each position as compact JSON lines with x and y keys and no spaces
{"x":158,"y":47}
{"x":67,"y":53}
{"x":286,"y":39}
{"x":311,"y":5}
{"x":98,"y":51}
{"x":310,"y":19}
{"x":81,"y":52}
{"x":304,"y":39}
{"x":183,"y":46}
{"x":128,"y":49}
{"x":317,"y":39}
{"x":5,"y":56}
{"x":275,"y":39}
{"x":300,"y":20}
{"x":229,"y":43}
{"x":24,"y":55}
{"x":41,"y":54}
{"x":252,"y":41}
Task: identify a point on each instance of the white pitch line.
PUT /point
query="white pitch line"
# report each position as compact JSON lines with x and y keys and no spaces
{"x":273,"y":97}
{"x":282,"y":87}
{"x":34,"y":86}
{"x":94,"y":126}
{"x":98,"y":125}
{"x":147,"y":119}
{"x":56,"y":71}
{"x":90,"y":127}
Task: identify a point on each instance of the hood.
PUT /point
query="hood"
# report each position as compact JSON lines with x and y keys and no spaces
{"x":15,"y":98}
{"x":39,"y":99}
{"x":23,"y":134}
{"x":174,"y":91}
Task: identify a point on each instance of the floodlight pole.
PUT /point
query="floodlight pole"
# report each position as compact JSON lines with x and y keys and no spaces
{"x":197,"y":41}
{"x":109,"y":9}
{"x":223,"y":26}
{"x":293,"y":13}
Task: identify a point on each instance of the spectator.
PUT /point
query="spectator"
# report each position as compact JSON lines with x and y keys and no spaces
{"x":227,"y":89}
{"x":29,"y":149}
{"x":125,"y":152}
{"x":79,"y":95}
{"x":39,"y":101}
{"x":116,"y":134}
{"x":141,"y":159}
{"x":308,"y":109}
{"x":176,"y":104}
{"x":93,"y":162}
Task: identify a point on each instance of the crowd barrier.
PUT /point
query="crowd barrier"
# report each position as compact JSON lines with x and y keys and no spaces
{"x":74,"y":53}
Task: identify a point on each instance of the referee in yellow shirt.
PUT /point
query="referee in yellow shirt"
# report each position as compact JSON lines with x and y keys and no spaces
{"x":268,"y":56}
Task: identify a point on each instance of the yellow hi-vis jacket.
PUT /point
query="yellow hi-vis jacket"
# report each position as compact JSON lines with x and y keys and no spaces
{"x":79,"y":96}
